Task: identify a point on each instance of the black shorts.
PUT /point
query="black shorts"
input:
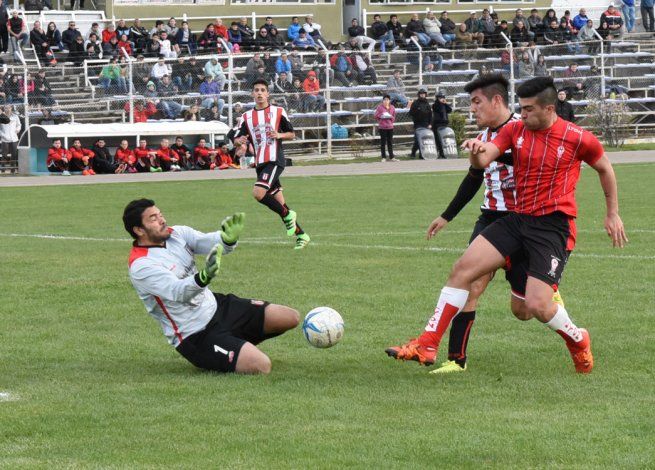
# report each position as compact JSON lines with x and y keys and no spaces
{"x":268,"y":177}
{"x":541,"y":239}
{"x":235,"y":322}
{"x":516,"y":270}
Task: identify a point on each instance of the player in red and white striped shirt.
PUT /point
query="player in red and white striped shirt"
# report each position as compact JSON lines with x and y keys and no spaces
{"x":547,"y":154}
{"x":266,"y":126}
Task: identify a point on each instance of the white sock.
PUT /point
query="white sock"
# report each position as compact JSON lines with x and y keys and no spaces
{"x":449,"y":295}
{"x":563,"y":324}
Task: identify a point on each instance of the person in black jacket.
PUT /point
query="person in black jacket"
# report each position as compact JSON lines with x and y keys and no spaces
{"x":563,"y":108}
{"x":396,"y":28}
{"x":4,"y":32}
{"x":421,"y":115}
{"x":440,"y":111}
{"x":103,"y":162}
{"x":382,"y":34}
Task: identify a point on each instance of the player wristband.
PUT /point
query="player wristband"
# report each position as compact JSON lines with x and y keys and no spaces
{"x":201,"y":278}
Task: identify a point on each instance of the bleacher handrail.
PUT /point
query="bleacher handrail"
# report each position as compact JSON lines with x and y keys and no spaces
{"x":602,"y":62}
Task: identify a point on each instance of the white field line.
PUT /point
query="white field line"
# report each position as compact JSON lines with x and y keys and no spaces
{"x":6,"y":396}
{"x":279,"y":241}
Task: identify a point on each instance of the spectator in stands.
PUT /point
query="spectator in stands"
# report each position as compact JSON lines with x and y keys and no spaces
{"x":209,"y":38}
{"x":12,"y":90}
{"x":440,"y":111}
{"x":432,"y":27}
{"x":628,"y":10}
{"x":357,"y":36}
{"x":42,"y":90}
{"x":140,"y":73}
{"x":110,"y":49}
{"x":185,"y":39}
{"x":487,"y":27}
{"x":10,"y":133}
{"x":421,"y":114}
{"x":247,"y":34}
{"x":304,"y":41}
{"x":593,"y":83}
{"x":181,"y":75}
{"x":139,"y":35}
{"x":211,"y":114}
{"x":540,"y":68}
{"x":110,"y":78}
{"x":39,"y":40}
{"x":234,"y":35}
{"x":535,"y":24}
{"x":4,"y":32}
{"x":343,"y":68}
{"x":221,"y":29}
{"x":605,"y":32}
{"x":281,"y":88}
{"x":204,"y":156}
{"x":69,"y":35}
{"x":102,"y":162}
{"x":210,"y":93}
{"x":448,"y":28}
{"x":183,"y":153}
{"x":587,"y":35}
{"x":268,"y":23}
{"x":168,"y":50}
{"x":168,"y":158}
{"x":237,"y":112}
{"x":497,"y":39}
{"x":17,"y":32}
{"x":574,"y":82}
{"x":518,"y":16}
{"x":569,"y":23}
{"x":122,"y":28}
{"x":152,"y":47}
{"x":3,"y":93}
{"x":473,"y":27}
{"x":214,"y":69}
{"x":125,"y":44}
{"x":196,"y":70}
{"x":262,"y":40}
{"x":157,"y":29}
{"x":124,"y":158}
{"x":467,"y":40}
{"x":613,"y":19}
{"x":432,"y":64}
{"x":146,"y":159}
{"x":365,"y":70}
{"x":160,"y":69}
{"x":647,"y":15}
{"x":415,"y":28}
{"x":396,"y":28}
{"x":296,"y":100}
{"x":382,"y":34}
{"x":166,"y":89}
{"x":76,"y":52}
{"x":506,"y":60}
{"x":550,"y":16}
{"x":396,"y":90}
{"x":277,"y":40}
{"x":58,"y":160}
{"x":297,"y":63}
{"x":553,"y":36}
{"x":385,"y":115}
{"x":252,"y":65}
{"x":526,"y":66}
{"x":293,"y":29}
{"x":580,"y":20}
{"x":95,"y":29}
{"x":108,"y":33}
{"x":314,"y":100}
{"x":283,"y":64}
{"x":81,"y":159}
{"x":520,"y":36}
{"x":567,"y":38}
{"x":54,"y":36}
{"x":142,"y":112}
{"x":563,"y":108}
{"x":313,"y":30}
{"x":93,"y":40}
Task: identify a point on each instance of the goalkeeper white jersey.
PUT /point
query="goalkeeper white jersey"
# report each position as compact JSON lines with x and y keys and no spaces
{"x":164,"y":278}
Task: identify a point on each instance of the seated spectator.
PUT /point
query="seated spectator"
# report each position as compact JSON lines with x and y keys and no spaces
{"x":108,"y":33}
{"x":95,"y":29}
{"x":435,"y":59}
{"x":234,"y":34}
{"x":314,"y":100}
{"x":551,"y":16}
{"x":297,"y":63}
{"x":95,"y":42}
{"x":223,"y":158}
{"x":252,"y":65}
{"x":313,"y":30}
{"x":396,"y":90}
{"x":593,"y":83}
{"x":152,"y":47}
{"x":158,"y":28}
{"x":247,"y":33}
{"x":415,"y":28}
{"x":535,"y":24}
{"x":553,"y":36}
{"x":588,"y":36}
{"x":568,"y":21}
{"x":204,"y":156}
{"x":382,"y":34}
{"x":58,"y":160}
{"x":103,"y":163}
{"x":211,"y":94}
{"x":540,"y":69}
{"x":54,"y":36}
{"x":357,"y":36}
{"x":526,"y":67}
{"x":110,"y":49}
{"x":140,"y":73}
{"x":497,"y":39}
{"x":146,"y":158}
{"x":39,"y":40}
{"x":574,"y":82}
{"x":17,"y":29}
{"x":69,"y":36}
{"x":166,"y":89}
{"x":605,"y":32}
{"x":185,"y":39}
{"x":221,"y":29}
{"x":365,"y":69}
{"x":281,"y":88}
{"x":567,"y":38}
{"x":506,"y":60}
{"x":396,"y":29}
{"x":125,"y":44}
{"x":139,"y":36}
{"x":432,"y":28}
{"x":124,"y":158}
{"x":214,"y":69}
{"x":268,"y":23}
{"x":520,"y":36}
{"x":581,"y":19}
{"x":283,"y":64}
{"x":212,"y":114}
{"x":487,"y":27}
{"x":465,"y":39}
{"x":237,"y":112}
{"x":111,"y":79}
{"x":293,"y":29}
{"x":343,"y":67}
{"x":209,"y":38}
{"x":614,"y":21}
{"x":448,"y":28}
{"x":167,"y":49}
{"x":304,"y":41}
{"x":296,"y":101}
{"x":160,"y":68}
{"x":563,"y":108}
{"x":81,"y":159}
{"x":277,"y":40}
{"x":518,"y":16}
{"x":181,"y":75}
{"x":183,"y":153}
{"x":196,"y":70}
{"x":122,"y":28}
{"x":168,"y":158}
{"x":42,"y":90}
{"x":262,"y":40}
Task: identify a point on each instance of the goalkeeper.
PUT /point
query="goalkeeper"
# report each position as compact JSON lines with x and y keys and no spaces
{"x":212,"y":331}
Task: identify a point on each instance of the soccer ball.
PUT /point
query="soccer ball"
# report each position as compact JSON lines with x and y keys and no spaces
{"x":323,"y":327}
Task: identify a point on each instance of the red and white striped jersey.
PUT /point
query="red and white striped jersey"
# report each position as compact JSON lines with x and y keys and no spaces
{"x":257,"y":124}
{"x":499,"y":185}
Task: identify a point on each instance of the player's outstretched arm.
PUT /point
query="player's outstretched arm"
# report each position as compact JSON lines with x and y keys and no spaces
{"x":481,"y":153}
{"x":613,"y":223}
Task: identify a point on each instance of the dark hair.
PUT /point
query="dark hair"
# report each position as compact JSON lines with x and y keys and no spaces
{"x":490,"y":84}
{"x":542,"y":88}
{"x":260,"y":82}
{"x":386,"y":96}
{"x":133,"y":213}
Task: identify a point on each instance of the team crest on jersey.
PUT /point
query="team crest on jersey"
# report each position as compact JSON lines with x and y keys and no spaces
{"x":554,"y":264}
{"x":519,"y":143}
{"x":560,"y":151}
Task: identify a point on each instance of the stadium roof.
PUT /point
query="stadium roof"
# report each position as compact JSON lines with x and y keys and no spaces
{"x":140,"y":129}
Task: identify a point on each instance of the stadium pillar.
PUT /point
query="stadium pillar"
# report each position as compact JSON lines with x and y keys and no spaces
{"x":512,"y":78}
{"x":230,"y":67}
{"x":328,"y":99}
{"x":420,"y":60}
{"x":602,"y":65}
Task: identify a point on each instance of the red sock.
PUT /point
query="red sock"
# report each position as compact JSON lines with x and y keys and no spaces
{"x":450,"y":302}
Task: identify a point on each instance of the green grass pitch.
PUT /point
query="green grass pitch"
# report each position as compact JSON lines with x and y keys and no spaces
{"x":91,"y":381}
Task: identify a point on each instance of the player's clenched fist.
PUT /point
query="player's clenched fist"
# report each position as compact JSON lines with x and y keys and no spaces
{"x":232,"y":227}
{"x":474,"y":146}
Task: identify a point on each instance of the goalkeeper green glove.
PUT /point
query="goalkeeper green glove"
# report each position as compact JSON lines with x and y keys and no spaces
{"x":212,"y":265}
{"x":232,"y":227}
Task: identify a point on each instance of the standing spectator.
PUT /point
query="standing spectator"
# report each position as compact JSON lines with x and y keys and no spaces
{"x":440,"y":111}
{"x":448,"y":28}
{"x":415,"y":28}
{"x":432,"y":28}
{"x":139,"y":35}
{"x":396,"y":28}
{"x":247,"y":34}
{"x":385,"y":114}
{"x":314,"y":100}
{"x":58,"y":158}
{"x":357,"y":36}
{"x":563,"y":108}
{"x":81,"y":158}
{"x":540,"y":69}
{"x":10,"y":133}
{"x":124,"y":158}
{"x":54,"y":36}
{"x":210,"y":93}
{"x":293,"y":29}
{"x":204,"y":156}
{"x":304,"y":41}
{"x":382,"y":34}
{"x":421,"y":115}
{"x":628,"y":9}
{"x":647,"y":16}
{"x":613,"y":19}
{"x":396,"y":89}
{"x":17,"y":33}
{"x":313,"y":30}
{"x":185,"y":39}
{"x":69,"y":35}
{"x":183,"y":152}
{"x":4,"y":32}
{"x":102,"y":159}
{"x":214,"y":69}
{"x":281,"y":89}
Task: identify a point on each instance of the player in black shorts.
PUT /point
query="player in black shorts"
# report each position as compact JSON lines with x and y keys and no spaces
{"x":266,"y":126}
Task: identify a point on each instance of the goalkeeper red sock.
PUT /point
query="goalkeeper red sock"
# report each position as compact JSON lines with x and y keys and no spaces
{"x":459,"y":336}
{"x":450,"y":302}
{"x":274,"y":205}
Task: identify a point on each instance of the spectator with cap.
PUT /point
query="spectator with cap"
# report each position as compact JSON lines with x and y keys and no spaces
{"x":421,"y":115}
{"x":304,"y":41}
{"x":440,"y":111}
{"x":396,"y":89}
{"x":385,"y":115}
{"x":381,"y":33}
{"x":613,"y":19}
{"x":563,"y":108}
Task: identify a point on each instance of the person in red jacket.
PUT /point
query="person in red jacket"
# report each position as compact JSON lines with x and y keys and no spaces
{"x":109,"y":33}
{"x":124,"y":43}
{"x":81,"y":158}
{"x":125,"y":158}
{"x":223,"y":158}
{"x":58,"y":158}
{"x":168,"y":158}
{"x":146,"y":159}
{"x":204,"y":156}
{"x":314,"y":101}
{"x":141,"y":112}
{"x":221,"y":29}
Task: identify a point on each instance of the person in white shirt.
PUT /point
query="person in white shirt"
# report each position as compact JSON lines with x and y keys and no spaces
{"x":165,"y":47}
{"x":160,"y":69}
{"x":10,"y":133}
{"x":212,"y":331}
{"x":313,"y":29}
